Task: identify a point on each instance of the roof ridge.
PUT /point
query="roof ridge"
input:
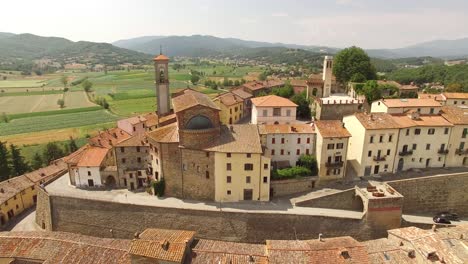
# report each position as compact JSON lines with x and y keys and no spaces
{"x":67,"y":241}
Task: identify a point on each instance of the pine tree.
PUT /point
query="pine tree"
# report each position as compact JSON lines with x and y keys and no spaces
{"x":4,"y":163}
{"x":37,"y":162}
{"x":19,"y":165}
{"x":72,"y":145}
{"x":52,"y":152}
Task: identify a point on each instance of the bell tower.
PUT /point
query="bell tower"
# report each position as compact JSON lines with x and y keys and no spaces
{"x":161,"y":67}
{"x":327,"y":75}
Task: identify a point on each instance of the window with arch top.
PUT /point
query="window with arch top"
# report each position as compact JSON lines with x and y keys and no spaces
{"x":199,"y":122}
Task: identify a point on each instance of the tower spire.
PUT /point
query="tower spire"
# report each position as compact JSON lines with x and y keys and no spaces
{"x":160,"y":49}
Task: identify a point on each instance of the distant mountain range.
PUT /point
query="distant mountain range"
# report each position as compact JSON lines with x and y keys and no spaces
{"x":200,"y":46}
{"x":24,"y":48}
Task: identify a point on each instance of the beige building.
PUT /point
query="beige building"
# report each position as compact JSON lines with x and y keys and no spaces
{"x":422,"y":141}
{"x":272,"y":109}
{"x":373,"y":143}
{"x":242,"y":172}
{"x":456,"y":99}
{"x":231,"y":106}
{"x":400,"y":106}
{"x":458,"y":143}
{"x":332,"y":149}
{"x":286,"y":143}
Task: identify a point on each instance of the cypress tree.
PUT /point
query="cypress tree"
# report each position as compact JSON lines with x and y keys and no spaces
{"x":4,"y":163}
{"x":37,"y":162}
{"x":18,"y":165}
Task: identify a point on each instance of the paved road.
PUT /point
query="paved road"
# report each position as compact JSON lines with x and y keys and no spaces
{"x":25,"y":222}
{"x":61,"y":187}
{"x":418,"y":219}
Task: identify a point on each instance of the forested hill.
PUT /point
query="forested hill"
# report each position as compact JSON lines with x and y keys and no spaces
{"x":24,"y":48}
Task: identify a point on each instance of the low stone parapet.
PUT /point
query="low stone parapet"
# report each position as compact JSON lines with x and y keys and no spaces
{"x":292,"y":186}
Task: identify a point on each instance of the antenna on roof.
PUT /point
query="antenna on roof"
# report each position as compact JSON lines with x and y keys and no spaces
{"x":160,"y":49}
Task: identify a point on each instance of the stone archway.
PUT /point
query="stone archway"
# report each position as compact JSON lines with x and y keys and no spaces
{"x":110,"y":181}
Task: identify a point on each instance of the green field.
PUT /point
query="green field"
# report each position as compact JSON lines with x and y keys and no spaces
{"x":31,"y":102}
{"x":41,"y":123}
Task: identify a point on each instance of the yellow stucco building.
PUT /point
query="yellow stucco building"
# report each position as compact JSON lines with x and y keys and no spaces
{"x":231,"y":106}
{"x":16,"y":195}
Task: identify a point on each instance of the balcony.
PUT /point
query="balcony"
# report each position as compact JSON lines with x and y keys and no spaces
{"x":461,"y":151}
{"x":443,"y":151}
{"x":336,"y":164}
{"x":379,"y":158}
{"x":405,"y":153}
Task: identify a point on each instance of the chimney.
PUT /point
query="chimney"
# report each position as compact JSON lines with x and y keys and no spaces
{"x":345,"y":254}
{"x":137,"y":235}
{"x":2,"y":191}
{"x":320,"y":237}
{"x":412,"y":253}
{"x":165,"y":245}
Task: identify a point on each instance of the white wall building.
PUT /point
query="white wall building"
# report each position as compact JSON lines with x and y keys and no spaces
{"x":273,"y":109}
{"x":402,"y":105}
{"x":286,"y":143}
{"x":373,"y":144}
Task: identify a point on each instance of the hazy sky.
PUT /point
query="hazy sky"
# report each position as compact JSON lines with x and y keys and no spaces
{"x":338,"y":23}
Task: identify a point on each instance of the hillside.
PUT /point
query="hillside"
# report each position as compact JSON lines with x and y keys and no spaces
{"x":24,"y":48}
{"x":203,"y":46}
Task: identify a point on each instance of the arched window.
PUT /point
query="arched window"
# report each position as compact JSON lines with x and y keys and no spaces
{"x":199,"y":122}
{"x":161,"y":75}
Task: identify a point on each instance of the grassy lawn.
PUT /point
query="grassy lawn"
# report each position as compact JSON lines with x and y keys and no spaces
{"x":133,"y":106}
{"x":62,"y":134}
{"x":41,"y":123}
{"x":21,"y":83}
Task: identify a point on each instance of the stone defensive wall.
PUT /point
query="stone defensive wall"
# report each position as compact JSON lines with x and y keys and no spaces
{"x":433,"y":194}
{"x":288,"y":187}
{"x":421,"y":196}
{"x":112,"y":219}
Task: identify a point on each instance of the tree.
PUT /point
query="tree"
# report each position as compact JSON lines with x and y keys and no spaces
{"x":4,"y":117}
{"x":352,"y":61}
{"x":87,"y":85}
{"x":194,"y":79}
{"x":303,"y":108}
{"x":61,"y":103}
{"x":64,"y":81}
{"x":308,"y":161}
{"x":18,"y":165}
{"x":72,"y":147}
{"x":287,"y":91}
{"x":372,"y":91}
{"x":358,"y":78}
{"x":263,"y":76}
{"x":4,"y":164}
{"x":52,"y":152}
{"x":37,"y":162}
{"x":454,"y":88}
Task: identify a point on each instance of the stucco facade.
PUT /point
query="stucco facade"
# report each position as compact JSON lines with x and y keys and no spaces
{"x":273,"y":115}
{"x":241,"y":176}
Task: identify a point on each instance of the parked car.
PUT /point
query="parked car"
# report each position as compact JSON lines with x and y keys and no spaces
{"x":441,"y":220}
{"x":449,"y":216}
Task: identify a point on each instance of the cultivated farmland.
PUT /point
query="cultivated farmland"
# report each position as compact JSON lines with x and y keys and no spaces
{"x":40,"y":123}
{"x":27,"y":104}
{"x":77,"y":100}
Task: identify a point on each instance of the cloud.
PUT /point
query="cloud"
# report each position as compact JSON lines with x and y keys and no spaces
{"x":247,"y":20}
{"x":280,"y":15}
{"x":344,"y":2}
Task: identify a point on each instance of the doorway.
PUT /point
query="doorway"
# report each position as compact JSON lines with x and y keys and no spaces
{"x":90,"y":183}
{"x":367,"y":171}
{"x":465,"y":161}
{"x":110,"y":181}
{"x":132,"y":186}
{"x":401,"y":162}
{"x":376,"y":169}
{"x":428,"y":163}
{"x":248,"y":194}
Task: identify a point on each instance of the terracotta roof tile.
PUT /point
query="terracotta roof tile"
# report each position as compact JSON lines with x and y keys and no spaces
{"x":175,"y":236}
{"x":237,"y":139}
{"x":108,"y":138}
{"x":287,"y":129}
{"x":295,"y":82}
{"x":437,"y":97}
{"x":455,"y":115}
{"x":165,"y":134}
{"x":11,"y":187}
{"x":424,"y":120}
{"x":134,"y":141}
{"x":241,"y":93}
{"x":161,"y":57}
{"x":229,"y":99}
{"x":272,"y":101}
{"x":377,"y":121}
{"x":410,"y":102}
{"x":455,"y":95}
{"x":389,"y":82}
{"x":58,"y":247}
{"x":189,"y":98}
{"x":57,"y":168}
{"x":93,"y":157}
{"x":331,"y":129}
